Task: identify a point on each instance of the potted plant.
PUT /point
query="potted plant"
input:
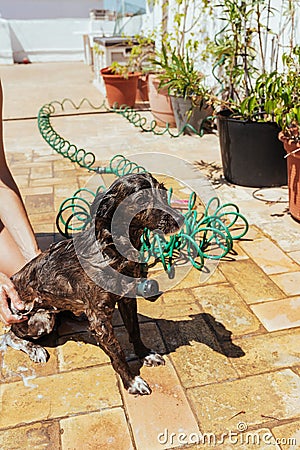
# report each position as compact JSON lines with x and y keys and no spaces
{"x":121,"y":84}
{"x":186,"y":88}
{"x":178,"y":38}
{"x":285,"y":91}
{"x":250,"y":151}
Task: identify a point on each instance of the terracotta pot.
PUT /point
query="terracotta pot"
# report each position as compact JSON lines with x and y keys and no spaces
{"x":160,"y":103}
{"x":142,"y":89}
{"x":120,"y":90}
{"x":293,"y":170}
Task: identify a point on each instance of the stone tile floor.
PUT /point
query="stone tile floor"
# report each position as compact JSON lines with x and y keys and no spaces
{"x":230,"y":340}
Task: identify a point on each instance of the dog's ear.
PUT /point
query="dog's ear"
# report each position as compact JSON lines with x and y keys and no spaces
{"x":104,"y":205}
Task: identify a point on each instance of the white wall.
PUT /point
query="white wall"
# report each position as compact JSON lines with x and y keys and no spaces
{"x":48,"y":9}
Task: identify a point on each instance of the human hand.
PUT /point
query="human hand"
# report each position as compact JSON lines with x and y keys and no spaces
{"x":8,"y":291}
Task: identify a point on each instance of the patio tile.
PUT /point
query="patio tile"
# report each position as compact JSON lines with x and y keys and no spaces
{"x":39,"y":203}
{"x":59,"y":396}
{"x":269,"y":256}
{"x":39,"y":171}
{"x":289,"y":435}
{"x":194,"y":277}
{"x":288,"y":282}
{"x":37,"y":190}
{"x":166,"y":408}
{"x":22,"y":180}
{"x":105,"y":430}
{"x":17,"y":366}
{"x":197,"y":354}
{"x":280,"y":314}
{"x":276,"y":229}
{"x":44,"y":227}
{"x":263,"y":398}
{"x":48,"y":181}
{"x":295,"y":256}
{"x":79,"y":351}
{"x":226,"y":306}
{"x":179,"y":303}
{"x":268,"y":352}
{"x":44,"y":435}
{"x":250,"y":281}
{"x":42,"y":218}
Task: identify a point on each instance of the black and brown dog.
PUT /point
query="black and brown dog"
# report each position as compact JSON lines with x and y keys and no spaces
{"x":96,"y":270}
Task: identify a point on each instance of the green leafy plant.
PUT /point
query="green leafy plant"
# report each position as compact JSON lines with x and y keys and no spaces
{"x":276,"y":97}
{"x":246,"y":51}
{"x":177,"y":73}
{"x":286,"y":96}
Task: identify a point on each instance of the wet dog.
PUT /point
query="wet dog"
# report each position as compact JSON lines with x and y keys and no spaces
{"x":95,"y":271}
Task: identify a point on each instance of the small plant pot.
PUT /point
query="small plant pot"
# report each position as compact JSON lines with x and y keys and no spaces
{"x":160,"y":103}
{"x":251,"y":153}
{"x":120,"y":90}
{"x":187,"y":113}
{"x":293,"y":172}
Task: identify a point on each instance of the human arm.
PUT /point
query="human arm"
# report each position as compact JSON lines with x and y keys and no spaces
{"x":8,"y":292}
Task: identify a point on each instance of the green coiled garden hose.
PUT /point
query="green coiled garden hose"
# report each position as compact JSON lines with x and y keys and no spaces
{"x":199,"y":238}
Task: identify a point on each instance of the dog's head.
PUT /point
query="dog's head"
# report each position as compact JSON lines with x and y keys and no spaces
{"x":138,"y":201}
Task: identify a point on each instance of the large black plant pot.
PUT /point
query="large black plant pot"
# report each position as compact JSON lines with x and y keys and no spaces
{"x":251,"y":152}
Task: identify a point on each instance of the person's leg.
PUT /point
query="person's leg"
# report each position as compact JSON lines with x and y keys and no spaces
{"x":11,"y":259}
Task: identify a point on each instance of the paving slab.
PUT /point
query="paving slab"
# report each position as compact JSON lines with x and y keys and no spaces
{"x":229,"y":333}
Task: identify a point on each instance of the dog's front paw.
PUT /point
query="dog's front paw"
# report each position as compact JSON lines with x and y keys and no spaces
{"x":139,"y":386}
{"x":38,"y":354}
{"x":153,"y":360}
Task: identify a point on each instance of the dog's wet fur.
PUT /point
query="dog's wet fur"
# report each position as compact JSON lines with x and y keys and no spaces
{"x":87,"y":274}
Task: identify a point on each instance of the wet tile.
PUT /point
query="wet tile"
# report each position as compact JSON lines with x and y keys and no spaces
{"x":280,"y":314}
{"x":17,"y":365}
{"x":79,"y":351}
{"x":262,"y":398}
{"x":268,"y":256}
{"x":288,"y":435}
{"x":289,"y":283}
{"x":226,"y":306}
{"x":165,"y":408}
{"x":250,"y":281}
{"x":59,"y":395}
{"x":105,"y":430}
{"x":268,"y":352}
{"x":44,"y":435}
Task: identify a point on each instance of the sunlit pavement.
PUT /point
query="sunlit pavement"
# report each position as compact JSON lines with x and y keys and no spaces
{"x":230,"y":340}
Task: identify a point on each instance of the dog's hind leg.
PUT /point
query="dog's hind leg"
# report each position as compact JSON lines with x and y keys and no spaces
{"x":35,"y":352}
{"x":128,"y":311}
